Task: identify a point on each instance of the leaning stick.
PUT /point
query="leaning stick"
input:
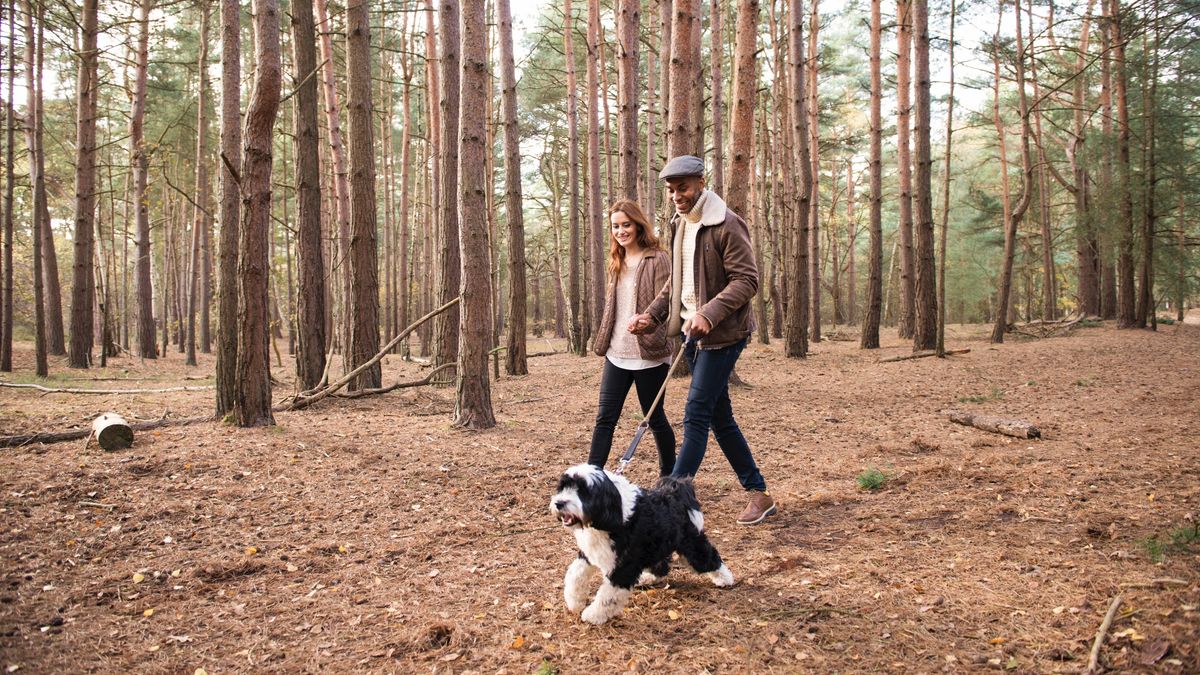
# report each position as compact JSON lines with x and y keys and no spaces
{"x":305,"y":401}
{"x":1094,"y":660}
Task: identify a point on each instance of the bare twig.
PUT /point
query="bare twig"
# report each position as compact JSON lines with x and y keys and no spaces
{"x":1094,"y":660}
{"x":51,"y":390}
{"x":921,"y":355}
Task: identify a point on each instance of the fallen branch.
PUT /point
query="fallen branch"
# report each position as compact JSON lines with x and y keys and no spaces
{"x":1044,"y":329}
{"x":76,"y":434}
{"x":1094,"y":660}
{"x":1155,"y":583}
{"x":996,"y":425}
{"x":804,"y":611}
{"x":305,"y":401}
{"x":922,"y":354}
{"x":399,"y":385}
{"x":52,"y":390}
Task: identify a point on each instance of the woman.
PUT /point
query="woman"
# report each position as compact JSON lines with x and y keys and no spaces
{"x":638,"y":268}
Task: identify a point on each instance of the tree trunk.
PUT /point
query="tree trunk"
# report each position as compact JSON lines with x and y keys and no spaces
{"x":446,"y":328}
{"x":596,"y":226}
{"x":574,"y":296}
{"x":796,"y":345}
{"x":404,"y":299}
{"x":716,"y":58}
{"x":1126,"y":309}
{"x":852,"y":231}
{"x":201,"y":207}
{"x":6,"y":284}
{"x":814,"y":204}
{"x":628,"y":24}
{"x":945,"y":224}
{"x":515,"y":362}
{"x":364,"y":297}
{"x":869,"y":338}
{"x":473,"y":397}
{"x":1087,"y":252}
{"x":1049,"y":283}
{"x":83,"y":288}
{"x":230,"y":210}
{"x":904,"y":164}
{"x":1145,"y":316}
{"x":1108,"y":270}
{"x":253,"y":403}
{"x":925,"y":288}
{"x":33,"y":132}
{"x":310,"y":357}
{"x":681,"y":123}
{"x":433,"y":100}
{"x":745,"y":86}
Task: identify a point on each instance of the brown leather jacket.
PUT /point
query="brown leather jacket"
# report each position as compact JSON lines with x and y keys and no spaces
{"x":726,"y":277}
{"x":652,"y":272}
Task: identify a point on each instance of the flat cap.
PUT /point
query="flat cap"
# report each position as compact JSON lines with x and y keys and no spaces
{"x":683,"y":165}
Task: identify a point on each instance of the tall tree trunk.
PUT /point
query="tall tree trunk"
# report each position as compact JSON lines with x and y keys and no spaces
{"x":628,"y":25}
{"x":341,"y":175}
{"x":1049,"y":283}
{"x":404,"y":301}
{"x":869,"y":338}
{"x":814,"y":204}
{"x":596,"y":225}
{"x":364,"y":298}
{"x":473,"y":395}
{"x":852,"y":231}
{"x":681,"y":126}
{"x":904,"y":164}
{"x":433,"y":99}
{"x":310,"y":357}
{"x":6,"y":284}
{"x":1126,"y":309}
{"x":1104,"y":220}
{"x":945,"y":224}
{"x":745,"y":86}
{"x":574,"y":295}
{"x":925,"y":288}
{"x":796,"y":345}
{"x":230,"y":209}
{"x":1087,"y":252}
{"x":253,"y":403}
{"x":83,"y":288}
{"x":515,"y":362}
{"x":33,"y":132}
{"x":201,"y":207}
{"x":446,"y":325}
{"x":1145,"y":315}
{"x":716,"y":59}
{"x":1017,"y":211}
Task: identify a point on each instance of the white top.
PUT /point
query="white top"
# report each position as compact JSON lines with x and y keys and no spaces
{"x":691,"y":227}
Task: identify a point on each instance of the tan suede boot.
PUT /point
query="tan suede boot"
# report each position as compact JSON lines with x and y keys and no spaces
{"x":761,"y":507}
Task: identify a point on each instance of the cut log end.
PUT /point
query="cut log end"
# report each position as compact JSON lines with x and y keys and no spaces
{"x":112,"y":432}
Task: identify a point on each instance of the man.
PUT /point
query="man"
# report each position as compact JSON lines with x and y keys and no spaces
{"x":713,"y":278}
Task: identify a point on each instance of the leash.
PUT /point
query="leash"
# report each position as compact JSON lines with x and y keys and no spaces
{"x":645,"y":423}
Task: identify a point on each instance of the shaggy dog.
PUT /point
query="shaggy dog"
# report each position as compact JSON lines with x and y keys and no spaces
{"x":628,"y":534}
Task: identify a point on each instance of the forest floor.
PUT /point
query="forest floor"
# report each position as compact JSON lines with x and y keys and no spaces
{"x":368,"y":535}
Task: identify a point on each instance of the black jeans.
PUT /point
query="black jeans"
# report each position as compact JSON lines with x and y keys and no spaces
{"x":614,"y":387}
{"x":708,"y":408}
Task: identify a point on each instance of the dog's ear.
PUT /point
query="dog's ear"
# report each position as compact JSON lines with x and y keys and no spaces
{"x":604,"y":508}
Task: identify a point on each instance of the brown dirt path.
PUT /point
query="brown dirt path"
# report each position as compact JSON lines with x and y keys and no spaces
{"x":369,"y":535}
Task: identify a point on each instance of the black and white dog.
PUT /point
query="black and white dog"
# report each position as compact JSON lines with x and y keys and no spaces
{"x":628,"y":534}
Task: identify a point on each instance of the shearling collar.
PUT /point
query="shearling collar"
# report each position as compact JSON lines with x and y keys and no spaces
{"x":711,"y":207}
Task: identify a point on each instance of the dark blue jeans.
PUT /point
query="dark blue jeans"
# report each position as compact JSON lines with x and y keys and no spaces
{"x":614,"y":387}
{"x":708,"y":407}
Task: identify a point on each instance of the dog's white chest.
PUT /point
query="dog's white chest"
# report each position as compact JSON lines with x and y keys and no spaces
{"x":598,"y":548}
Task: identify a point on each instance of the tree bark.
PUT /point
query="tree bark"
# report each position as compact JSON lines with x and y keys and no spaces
{"x":1145,"y":316}
{"x":33,"y":132}
{"x":364,"y":298}
{"x":83,"y":288}
{"x":628,"y":24}
{"x":6,"y":284}
{"x":446,"y":330}
{"x":596,"y":227}
{"x":201,"y":207}
{"x":716,"y":59}
{"x":433,"y":98}
{"x":925,"y":315}
{"x":473,"y":397}
{"x":814,"y":214}
{"x":796,"y":344}
{"x":869,"y":338}
{"x":1049,"y":283}
{"x":1126,"y":309}
{"x":253,"y":403}
{"x":574,"y":298}
{"x":515,"y":360}
{"x":1087,"y":246}
{"x":230,"y":210}
{"x":904,"y":165}
{"x":681,"y":118}
{"x":745,"y":93}
{"x":310,"y":357}
{"x":945,"y":224}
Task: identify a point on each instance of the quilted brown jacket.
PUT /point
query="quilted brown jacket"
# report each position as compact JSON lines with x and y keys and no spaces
{"x":652,"y":272}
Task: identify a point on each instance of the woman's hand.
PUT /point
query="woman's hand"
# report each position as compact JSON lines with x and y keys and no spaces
{"x":640,"y":323}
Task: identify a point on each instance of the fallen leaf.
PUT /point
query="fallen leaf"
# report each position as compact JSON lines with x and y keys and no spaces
{"x":291,"y":567}
{"x":155,"y":648}
{"x":547,"y":635}
{"x":251,"y":550}
{"x":518,"y":642}
{"x":673,"y":614}
{"x":772,"y":638}
{"x":149,"y":612}
{"x":998,"y":641}
{"x":200,"y":671}
{"x":341,"y":549}
{"x":1012,"y":663}
{"x":138,"y":577}
{"x":1155,"y":650}
{"x":176,"y":573}
{"x":451,"y":657}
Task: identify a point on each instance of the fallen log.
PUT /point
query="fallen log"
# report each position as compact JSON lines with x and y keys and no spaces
{"x":996,"y":425}
{"x":71,"y":390}
{"x":112,"y":432}
{"x":922,"y":354}
{"x":76,"y":434}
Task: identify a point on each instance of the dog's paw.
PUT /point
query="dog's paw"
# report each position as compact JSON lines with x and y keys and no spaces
{"x":575,"y":603}
{"x":722,"y":577}
{"x":647,"y":578}
{"x":596,"y":614}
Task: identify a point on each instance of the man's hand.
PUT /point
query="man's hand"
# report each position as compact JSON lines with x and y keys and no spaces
{"x":696,"y":327}
{"x":640,"y":323}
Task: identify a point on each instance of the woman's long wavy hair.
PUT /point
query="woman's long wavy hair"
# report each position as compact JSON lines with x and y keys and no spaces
{"x":645,"y":235}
